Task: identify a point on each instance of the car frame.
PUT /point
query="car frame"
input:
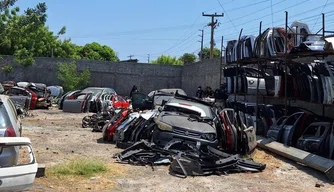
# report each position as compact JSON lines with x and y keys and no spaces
{"x":195,"y":123}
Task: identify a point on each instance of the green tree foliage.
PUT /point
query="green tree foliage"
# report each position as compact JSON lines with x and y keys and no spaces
{"x":26,"y":35}
{"x":206,"y":53}
{"x":167,"y":60}
{"x":95,"y":51}
{"x":188,"y":58}
{"x":7,"y":68}
{"x":70,"y":78}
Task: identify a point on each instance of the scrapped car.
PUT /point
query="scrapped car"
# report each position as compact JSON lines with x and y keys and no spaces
{"x":84,"y":100}
{"x":8,"y":84}
{"x":186,"y":119}
{"x":154,"y":98}
{"x":22,"y":97}
{"x":17,"y":176}
{"x":10,"y":126}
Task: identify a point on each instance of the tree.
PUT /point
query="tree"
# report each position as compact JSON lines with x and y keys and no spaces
{"x":70,"y":78}
{"x":167,"y":60}
{"x":206,"y":53}
{"x":188,"y":58}
{"x":26,"y":35}
{"x":95,"y":51}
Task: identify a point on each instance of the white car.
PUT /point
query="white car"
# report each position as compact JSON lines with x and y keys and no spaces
{"x":10,"y":126}
{"x":18,"y":177}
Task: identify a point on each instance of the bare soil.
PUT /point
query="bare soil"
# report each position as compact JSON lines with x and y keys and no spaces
{"x":58,"y":137}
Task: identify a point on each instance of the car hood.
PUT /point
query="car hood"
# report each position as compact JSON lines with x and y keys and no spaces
{"x":177,"y":121}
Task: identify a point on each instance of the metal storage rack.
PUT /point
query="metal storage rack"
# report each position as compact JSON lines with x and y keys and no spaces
{"x":285,"y":57}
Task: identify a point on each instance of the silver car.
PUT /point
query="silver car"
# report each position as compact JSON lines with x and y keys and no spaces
{"x":10,"y":126}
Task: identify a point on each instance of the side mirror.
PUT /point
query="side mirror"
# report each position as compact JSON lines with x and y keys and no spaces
{"x":160,"y":109}
{"x":19,"y":111}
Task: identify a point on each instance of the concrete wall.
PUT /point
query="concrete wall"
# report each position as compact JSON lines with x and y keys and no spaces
{"x":120,"y":76}
{"x":203,"y":74}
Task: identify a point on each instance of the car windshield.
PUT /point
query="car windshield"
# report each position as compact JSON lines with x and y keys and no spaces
{"x":189,"y":107}
{"x":92,"y":90}
{"x":169,"y":108}
{"x":159,"y":98}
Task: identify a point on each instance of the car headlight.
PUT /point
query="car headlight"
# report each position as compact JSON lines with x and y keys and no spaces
{"x":209,"y":136}
{"x":164,"y":126}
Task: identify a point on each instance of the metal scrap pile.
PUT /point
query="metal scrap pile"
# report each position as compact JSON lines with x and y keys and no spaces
{"x":194,"y":137}
{"x":186,"y":160}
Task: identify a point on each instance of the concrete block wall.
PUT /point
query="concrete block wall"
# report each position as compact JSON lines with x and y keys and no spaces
{"x":203,"y":74}
{"x":120,"y":76}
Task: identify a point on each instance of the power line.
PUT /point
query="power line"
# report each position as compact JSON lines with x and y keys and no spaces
{"x":319,"y":15}
{"x":268,"y":15}
{"x":246,"y":6}
{"x":142,"y":31}
{"x":243,"y":16}
{"x":227,"y":15}
{"x":174,"y":45}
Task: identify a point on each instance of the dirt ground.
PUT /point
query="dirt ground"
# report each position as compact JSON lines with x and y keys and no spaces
{"x":58,"y":137}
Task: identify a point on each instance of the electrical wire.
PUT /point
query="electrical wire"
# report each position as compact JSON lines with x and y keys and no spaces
{"x":174,"y":45}
{"x":142,"y":31}
{"x":252,"y":13}
{"x":319,"y":15}
{"x":246,"y":6}
{"x":227,"y":16}
{"x":270,"y":14}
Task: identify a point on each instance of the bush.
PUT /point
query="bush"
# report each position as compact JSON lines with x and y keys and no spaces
{"x":7,"y":68}
{"x":24,"y":58}
{"x":70,"y":78}
{"x":80,"y":167}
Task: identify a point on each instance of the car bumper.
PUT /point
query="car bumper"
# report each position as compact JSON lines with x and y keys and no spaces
{"x":161,"y":138}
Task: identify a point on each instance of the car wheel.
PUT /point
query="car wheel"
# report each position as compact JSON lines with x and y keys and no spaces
{"x":86,"y":122}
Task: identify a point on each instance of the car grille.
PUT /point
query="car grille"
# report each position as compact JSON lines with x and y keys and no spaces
{"x":186,"y":132}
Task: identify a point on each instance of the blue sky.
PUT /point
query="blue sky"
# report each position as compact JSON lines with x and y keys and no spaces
{"x":171,"y":27}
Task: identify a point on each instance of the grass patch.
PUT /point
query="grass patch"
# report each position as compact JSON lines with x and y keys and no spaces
{"x":80,"y":167}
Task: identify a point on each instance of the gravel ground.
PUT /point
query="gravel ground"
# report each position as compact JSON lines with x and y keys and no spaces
{"x":58,"y":137}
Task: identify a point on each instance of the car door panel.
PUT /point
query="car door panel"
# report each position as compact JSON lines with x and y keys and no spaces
{"x":77,"y":104}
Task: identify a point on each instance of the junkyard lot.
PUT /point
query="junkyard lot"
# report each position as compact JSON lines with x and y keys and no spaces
{"x":58,"y":137}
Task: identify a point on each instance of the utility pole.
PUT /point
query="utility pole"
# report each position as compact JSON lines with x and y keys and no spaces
{"x":202,"y":38}
{"x":130,"y":56}
{"x":213,"y":25}
{"x":148,"y":58}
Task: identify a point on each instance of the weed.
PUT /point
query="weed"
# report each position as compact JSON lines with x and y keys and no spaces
{"x":80,"y":167}
{"x":7,"y":68}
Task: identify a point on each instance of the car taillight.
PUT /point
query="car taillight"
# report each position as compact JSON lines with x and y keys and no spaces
{"x":10,"y":132}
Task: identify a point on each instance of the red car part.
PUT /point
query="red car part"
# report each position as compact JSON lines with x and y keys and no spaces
{"x":228,"y":132}
{"x":119,"y":102}
{"x":33,"y":99}
{"x":112,"y":127}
